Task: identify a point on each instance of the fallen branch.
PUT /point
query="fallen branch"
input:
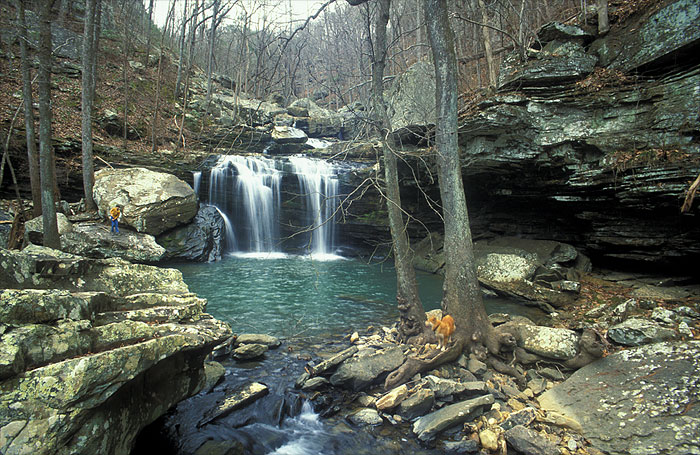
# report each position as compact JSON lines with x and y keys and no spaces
{"x":690,"y":195}
{"x":414,"y":365}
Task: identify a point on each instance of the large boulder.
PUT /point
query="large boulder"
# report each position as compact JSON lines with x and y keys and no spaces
{"x":92,"y":351}
{"x":316,"y":121}
{"x":642,"y":400}
{"x":34,"y":228}
{"x":153,"y":202}
{"x":639,"y":331}
{"x":411,"y":102}
{"x":95,"y":240}
{"x":367,"y":367}
{"x":202,"y":240}
{"x":252,"y":112}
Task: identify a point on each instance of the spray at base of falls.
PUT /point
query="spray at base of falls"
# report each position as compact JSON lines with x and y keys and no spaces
{"x":248,"y":191}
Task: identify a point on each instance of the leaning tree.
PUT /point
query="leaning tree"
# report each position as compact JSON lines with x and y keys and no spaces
{"x":461,"y":293}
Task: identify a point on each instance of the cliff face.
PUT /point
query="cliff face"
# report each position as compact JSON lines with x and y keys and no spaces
{"x":600,"y":157}
{"x":589,"y":141}
{"x":92,"y":351}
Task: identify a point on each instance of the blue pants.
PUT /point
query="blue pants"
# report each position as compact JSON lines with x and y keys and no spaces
{"x":115,"y":225}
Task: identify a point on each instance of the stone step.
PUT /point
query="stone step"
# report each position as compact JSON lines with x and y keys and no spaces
{"x":155,"y":315}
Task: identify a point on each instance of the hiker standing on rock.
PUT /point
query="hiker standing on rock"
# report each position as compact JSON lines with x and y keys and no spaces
{"x":114,"y":214}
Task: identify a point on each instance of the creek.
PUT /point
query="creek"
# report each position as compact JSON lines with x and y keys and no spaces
{"x":311,"y":300}
{"x":312,"y":305}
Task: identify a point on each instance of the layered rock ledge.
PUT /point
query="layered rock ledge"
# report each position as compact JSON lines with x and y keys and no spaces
{"x":94,"y":350}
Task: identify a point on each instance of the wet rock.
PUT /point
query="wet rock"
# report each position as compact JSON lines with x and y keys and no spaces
{"x":529,"y":442}
{"x":488,"y":439}
{"x":446,"y":387}
{"x":523,"y":417}
{"x":428,"y":426}
{"x":258,"y":338}
{"x":367,"y":367}
{"x":476,"y":366}
{"x":221,"y":448}
{"x":249,"y":351}
{"x":463,"y":446}
{"x":153,"y":202}
{"x":392,"y":398}
{"x":366,"y":416}
{"x":314,"y":383}
{"x":653,"y":415}
{"x":649,"y":292}
{"x":95,"y":240}
{"x":234,"y":400}
{"x":552,"y":373}
{"x":214,"y":372}
{"x":199,"y":241}
{"x":637,"y":331}
{"x":418,"y":404}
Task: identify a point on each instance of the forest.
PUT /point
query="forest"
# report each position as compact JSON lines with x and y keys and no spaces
{"x":470,"y":224}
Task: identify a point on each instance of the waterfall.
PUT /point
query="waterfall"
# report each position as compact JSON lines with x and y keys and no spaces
{"x":319,"y":187}
{"x":248,"y":193}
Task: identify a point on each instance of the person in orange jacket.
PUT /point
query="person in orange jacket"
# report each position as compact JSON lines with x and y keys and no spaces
{"x":114,"y":214}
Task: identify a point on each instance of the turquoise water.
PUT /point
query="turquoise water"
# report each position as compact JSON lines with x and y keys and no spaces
{"x":294,"y":296}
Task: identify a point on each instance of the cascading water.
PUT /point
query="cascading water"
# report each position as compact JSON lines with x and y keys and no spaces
{"x":319,"y":184}
{"x":247,"y":191}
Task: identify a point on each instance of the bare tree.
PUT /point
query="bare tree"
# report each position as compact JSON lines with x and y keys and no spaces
{"x":148,"y":33}
{"x":212,"y":42}
{"x":47,"y":160}
{"x":412,"y":314}
{"x":87,"y":99}
{"x":32,"y":155}
{"x":603,"y":22}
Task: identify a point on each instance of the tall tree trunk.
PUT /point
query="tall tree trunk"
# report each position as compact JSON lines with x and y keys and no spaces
{"x":125,"y":75}
{"x":461,"y":293}
{"x":87,"y":98}
{"x":180,"y":61}
{"x":412,"y":315}
{"x":603,"y":22}
{"x":490,"y":64}
{"x":148,"y":33}
{"x":156,"y":111}
{"x":47,"y":160}
{"x":210,"y":58}
{"x":30,"y":133}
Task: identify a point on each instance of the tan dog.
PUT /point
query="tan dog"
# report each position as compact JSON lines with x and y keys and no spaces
{"x":443,"y":329}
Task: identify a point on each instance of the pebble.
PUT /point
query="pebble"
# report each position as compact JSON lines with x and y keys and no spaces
{"x":489,"y":439}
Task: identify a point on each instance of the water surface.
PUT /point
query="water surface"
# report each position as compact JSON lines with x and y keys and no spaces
{"x":295,"y":296}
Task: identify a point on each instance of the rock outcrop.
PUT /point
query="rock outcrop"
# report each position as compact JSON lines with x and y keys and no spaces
{"x":94,"y":350}
{"x":642,"y":400}
{"x":153,"y":202}
{"x":202,"y":240}
{"x":94,"y":240}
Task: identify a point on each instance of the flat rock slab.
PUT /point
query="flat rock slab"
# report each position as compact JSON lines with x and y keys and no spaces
{"x":427,"y":427}
{"x":237,"y":399}
{"x":642,"y":401}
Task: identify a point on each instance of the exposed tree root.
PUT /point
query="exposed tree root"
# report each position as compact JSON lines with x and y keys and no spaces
{"x":502,"y":367}
{"x":414,"y":365}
